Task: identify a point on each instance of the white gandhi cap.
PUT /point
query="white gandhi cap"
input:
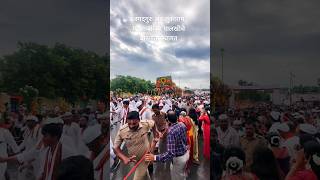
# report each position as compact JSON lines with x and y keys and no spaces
{"x":102,"y":116}
{"x":55,"y":120}
{"x":91,"y":133}
{"x":32,"y":118}
{"x":139,"y":103}
{"x":308,"y":128}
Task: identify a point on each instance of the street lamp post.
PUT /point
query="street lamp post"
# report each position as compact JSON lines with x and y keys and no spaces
{"x":291,"y":87}
{"x":222,"y":53}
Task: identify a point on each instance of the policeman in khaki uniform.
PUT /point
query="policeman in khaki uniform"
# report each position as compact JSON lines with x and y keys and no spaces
{"x":249,"y":142}
{"x":135,"y":135}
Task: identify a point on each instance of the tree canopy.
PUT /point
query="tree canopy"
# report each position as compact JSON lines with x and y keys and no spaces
{"x":306,"y":89}
{"x":245,"y":83}
{"x":220,"y":93}
{"x":254,"y":96}
{"x":58,"y":71}
{"x":129,"y":84}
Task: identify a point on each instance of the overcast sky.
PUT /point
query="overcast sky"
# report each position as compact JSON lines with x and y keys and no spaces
{"x":187,"y":60}
{"x":265,"y":40}
{"x":77,"y":23}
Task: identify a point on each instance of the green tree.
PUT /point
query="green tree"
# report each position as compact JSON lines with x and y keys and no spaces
{"x":58,"y":71}
{"x":131,"y":84}
{"x":29,"y":94}
{"x":220,"y":93}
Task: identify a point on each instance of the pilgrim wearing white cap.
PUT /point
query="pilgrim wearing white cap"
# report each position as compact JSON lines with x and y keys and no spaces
{"x":73,"y":131}
{"x":100,"y":156}
{"x":115,"y":109}
{"x":165,"y":108}
{"x":237,"y":126}
{"x":6,"y":139}
{"x":308,"y":129}
{"x":31,"y":137}
{"x":293,"y":142}
{"x":275,"y":115}
{"x":279,"y":127}
{"x":144,"y":112}
{"x":124,"y":112}
{"x":32,"y":134}
{"x":227,"y":135}
{"x":49,"y":152}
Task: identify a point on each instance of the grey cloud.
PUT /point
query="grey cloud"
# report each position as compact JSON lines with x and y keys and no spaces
{"x":76,"y":23}
{"x":265,"y":40}
{"x":196,"y":52}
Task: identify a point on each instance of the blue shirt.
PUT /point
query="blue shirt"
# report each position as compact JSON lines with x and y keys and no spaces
{"x":176,"y":142}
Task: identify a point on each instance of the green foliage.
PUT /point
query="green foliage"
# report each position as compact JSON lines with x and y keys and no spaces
{"x":306,"y":89}
{"x":29,"y":94}
{"x":129,"y":84}
{"x":255,"y":96}
{"x":189,"y":91}
{"x":244,"y":83}
{"x":220,"y":93}
{"x":57,"y":71}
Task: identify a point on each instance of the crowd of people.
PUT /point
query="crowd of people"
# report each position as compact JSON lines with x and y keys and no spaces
{"x":266,"y":142}
{"x":148,"y":132}
{"x":55,"y":145}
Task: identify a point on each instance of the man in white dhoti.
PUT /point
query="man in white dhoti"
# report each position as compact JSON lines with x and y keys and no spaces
{"x":6,"y":139}
{"x":124,"y":112}
{"x":31,"y":137}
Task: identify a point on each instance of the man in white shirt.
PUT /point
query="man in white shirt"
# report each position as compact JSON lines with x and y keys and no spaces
{"x":53,"y":148}
{"x":73,"y":130}
{"x":115,"y":109}
{"x":6,"y":139}
{"x":97,"y":143}
{"x":293,"y":143}
{"x":31,"y":137}
{"x":144,"y":112}
{"x":227,"y":135}
{"x":124,"y":112}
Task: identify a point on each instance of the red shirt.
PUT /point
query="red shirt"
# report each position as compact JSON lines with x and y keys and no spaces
{"x":303,"y":175}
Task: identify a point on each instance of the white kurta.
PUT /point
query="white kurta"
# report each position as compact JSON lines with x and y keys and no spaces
{"x":291,"y":144}
{"x":30,"y":139}
{"x":145,"y":114}
{"x":105,"y":171}
{"x":123,"y":115}
{"x":117,"y":114}
{"x":73,"y":131}
{"x":39,"y":155}
{"x":229,"y":137}
{"x":6,"y":139}
{"x":166,"y":108}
